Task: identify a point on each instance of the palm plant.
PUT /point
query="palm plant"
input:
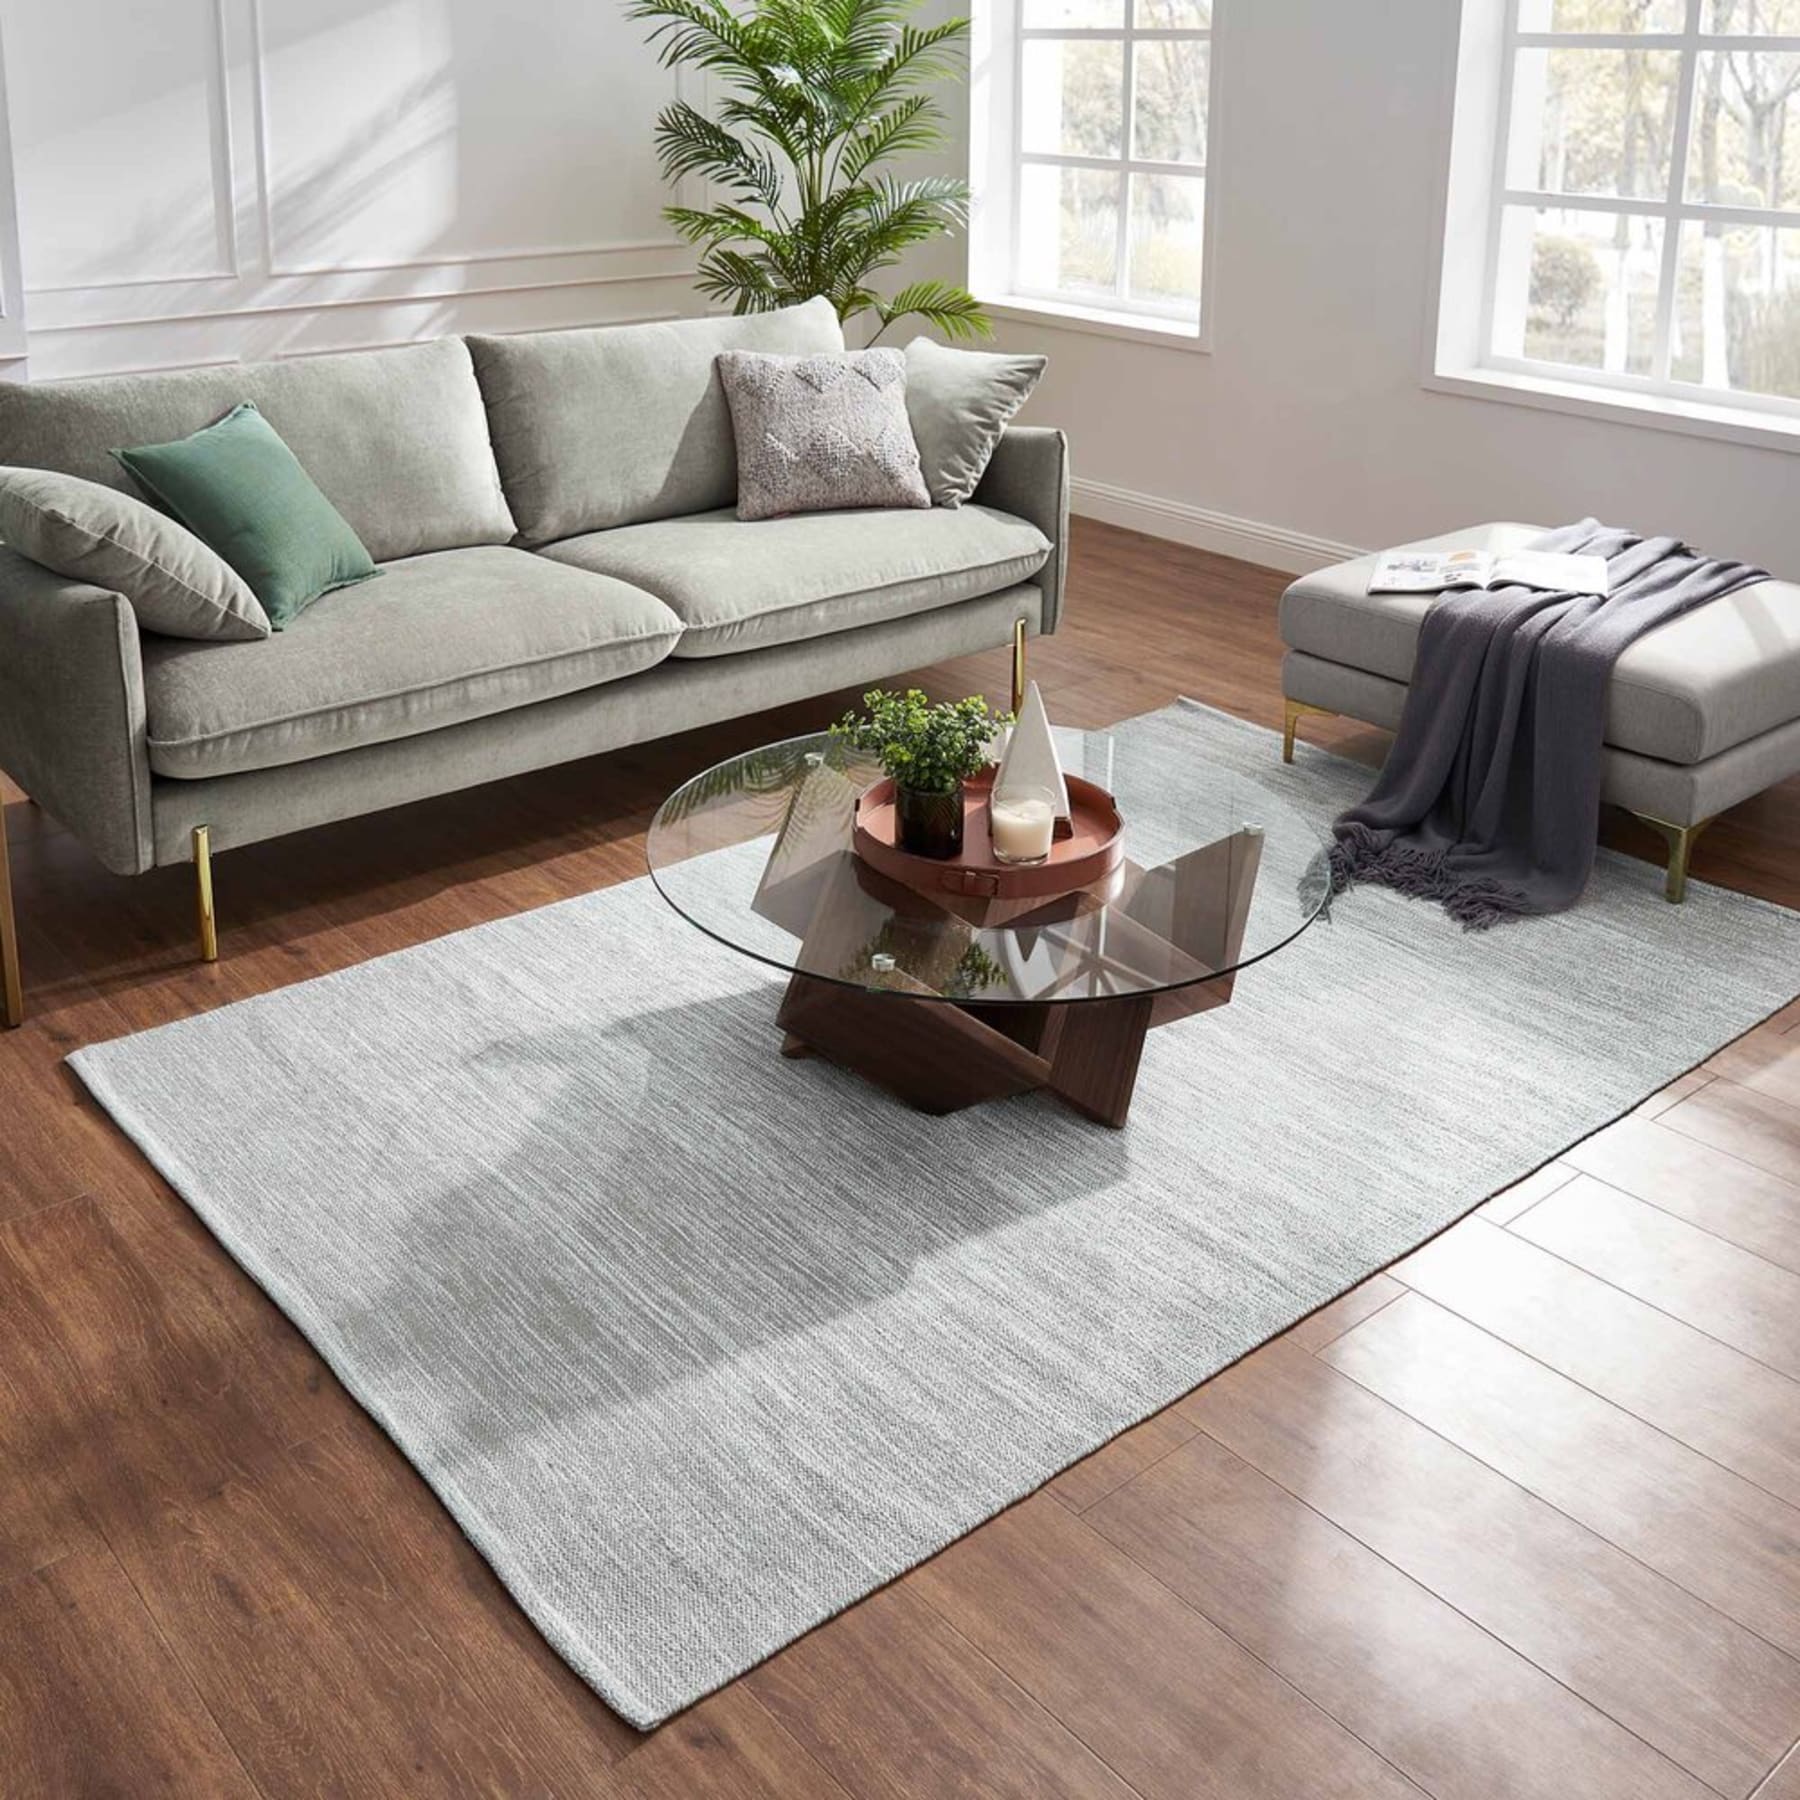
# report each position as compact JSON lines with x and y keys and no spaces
{"x":817,"y":94}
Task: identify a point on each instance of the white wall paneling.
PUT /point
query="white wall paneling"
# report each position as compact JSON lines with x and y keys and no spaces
{"x":202,"y":181}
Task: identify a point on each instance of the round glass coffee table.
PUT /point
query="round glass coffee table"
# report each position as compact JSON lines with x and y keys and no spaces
{"x":948,"y":1000}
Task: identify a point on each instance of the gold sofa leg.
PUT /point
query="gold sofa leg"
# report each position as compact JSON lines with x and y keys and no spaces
{"x":203,"y":894}
{"x":1296,"y":711}
{"x":1018,"y":665}
{"x":12,"y":987}
{"x":1680,"y":839}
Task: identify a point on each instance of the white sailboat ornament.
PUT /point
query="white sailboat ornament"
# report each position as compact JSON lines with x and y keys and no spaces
{"x":1031,"y":760}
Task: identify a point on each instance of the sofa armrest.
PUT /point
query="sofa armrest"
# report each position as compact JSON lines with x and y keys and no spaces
{"x":1029,"y":477}
{"x":72,"y":709}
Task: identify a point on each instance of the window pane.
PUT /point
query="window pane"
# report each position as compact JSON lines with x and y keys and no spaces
{"x":1593,"y":121}
{"x":1073,"y":102}
{"x":1073,"y":15}
{"x":1168,"y":120}
{"x":1737,"y":309}
{"x":1174,"y":15}
{"x":1167,"y":214}
{"x":1753,"y":18}
{"x":1604,"y":15}
{"x":1068,"y":231}
{"x":1746,"y":132}
{"x":1578,"y":288}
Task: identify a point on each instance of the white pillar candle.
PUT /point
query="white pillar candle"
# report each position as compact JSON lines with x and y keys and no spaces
{"x":1022,"y":825}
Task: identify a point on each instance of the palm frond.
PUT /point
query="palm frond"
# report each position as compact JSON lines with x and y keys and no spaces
{"x":952,"y":309}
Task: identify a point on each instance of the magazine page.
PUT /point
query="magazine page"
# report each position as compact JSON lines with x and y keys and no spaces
{"x":1429,"y":572}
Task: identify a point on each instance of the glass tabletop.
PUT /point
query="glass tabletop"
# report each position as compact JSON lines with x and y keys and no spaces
{"x":1218,"y":873}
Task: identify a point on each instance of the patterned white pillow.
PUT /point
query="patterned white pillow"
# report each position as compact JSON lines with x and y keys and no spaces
{"x":817,"y":433}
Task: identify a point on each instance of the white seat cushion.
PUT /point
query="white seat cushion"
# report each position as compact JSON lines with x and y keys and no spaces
{"x":434,"y":640}
{"x":741,"y":584}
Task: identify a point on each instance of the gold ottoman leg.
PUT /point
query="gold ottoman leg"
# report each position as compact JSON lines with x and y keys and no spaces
{"x":1296,"y":711}
{"x":1680,"y":839}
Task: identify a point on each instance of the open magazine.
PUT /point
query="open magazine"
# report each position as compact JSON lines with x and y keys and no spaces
{"x":1430,"y":572}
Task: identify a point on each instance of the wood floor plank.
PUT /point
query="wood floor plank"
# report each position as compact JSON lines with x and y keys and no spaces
{"x":1702,"y":1689}
{"x":312,"y":1660}
{"x":1319,"y":1328}
{"x":1736,"y":1200}
{"x":1510,"y":1202}
{"x":1744,"y":1122}
{"x":1165,"y":1696}
{"x":372,"y":1502}
{"x":93,"y":1703}
{"x":1113,"y":1464}
{"x":1784,"y":1781}
{"x":894,"y":1705}
{"x":123,"y":1399}
{"x":727,"y":1748}
{"x":1730,"y":1543}
{"x":1737,"y":1411}
{"x":1766,"y":1059}
{"x":1449,"y":1705}
{"x":1737,"y":1297}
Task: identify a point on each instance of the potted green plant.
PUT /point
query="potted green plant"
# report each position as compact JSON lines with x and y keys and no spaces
{"x":814,"y":96}
{"x":929,"y":750}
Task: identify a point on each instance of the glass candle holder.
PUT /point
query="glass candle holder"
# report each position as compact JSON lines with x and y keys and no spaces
{"x":1022,"y":823}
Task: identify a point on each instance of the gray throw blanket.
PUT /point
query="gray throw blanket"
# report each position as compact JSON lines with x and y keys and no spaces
{"x":1490,"y":798}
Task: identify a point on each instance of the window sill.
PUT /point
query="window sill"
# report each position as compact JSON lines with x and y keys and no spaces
{"x":1141,"y":328}
{"x":1733,"y":425}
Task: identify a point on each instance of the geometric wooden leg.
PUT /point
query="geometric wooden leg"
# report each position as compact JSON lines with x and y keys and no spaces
{"x":203,"y":894}
{"x":1294,"y":712}
{"x":941,"y":1057}
{"x":1094,"y":1063}
{"x":1680,"y":839}
{"x":12,"y":987}
{"x":929,"y":1053}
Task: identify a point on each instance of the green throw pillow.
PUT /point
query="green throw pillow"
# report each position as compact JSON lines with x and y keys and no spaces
{"x":236,"y":486}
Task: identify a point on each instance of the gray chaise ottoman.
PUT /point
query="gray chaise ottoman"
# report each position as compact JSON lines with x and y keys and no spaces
{"x":1703,"y":713}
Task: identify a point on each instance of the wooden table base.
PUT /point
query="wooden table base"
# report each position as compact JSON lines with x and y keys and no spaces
{"x":941,"y":1057}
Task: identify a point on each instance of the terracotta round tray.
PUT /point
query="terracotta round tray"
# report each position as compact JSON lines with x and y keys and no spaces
{"x":1093,"y":848}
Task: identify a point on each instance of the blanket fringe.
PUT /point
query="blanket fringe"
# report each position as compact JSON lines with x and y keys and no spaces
{"x":1476,"y":902}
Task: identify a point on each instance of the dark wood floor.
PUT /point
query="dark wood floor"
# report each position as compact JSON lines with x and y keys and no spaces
{"x":1520,"y":1517}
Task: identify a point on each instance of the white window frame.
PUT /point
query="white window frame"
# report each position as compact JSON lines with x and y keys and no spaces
{"x":998,"y":160}
{"x":1470,"y":364}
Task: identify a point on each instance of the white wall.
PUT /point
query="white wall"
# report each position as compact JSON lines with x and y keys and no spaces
{"x":1308,"y":419}
{"x":204,"y":180}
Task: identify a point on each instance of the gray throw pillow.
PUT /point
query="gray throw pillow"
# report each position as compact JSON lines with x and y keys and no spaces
{"x":960,"y":401}
{"x":817,"y":433}
{"x":79,"y":529}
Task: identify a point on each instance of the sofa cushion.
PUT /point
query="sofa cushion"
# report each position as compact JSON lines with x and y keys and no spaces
{"x":960,"y":402}
{"x":441,"y":638}
{"x":239,"y":488}
{"x":1716,"y":677}
{"x":396,"y":439}
{"x":175,"y":584}
{"x":625,"y":423}
{"x":740,"y":584}
{"x":821,"y":433}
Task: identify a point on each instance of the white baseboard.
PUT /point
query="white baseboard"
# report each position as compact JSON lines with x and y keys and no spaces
{"x":1273,"y":546}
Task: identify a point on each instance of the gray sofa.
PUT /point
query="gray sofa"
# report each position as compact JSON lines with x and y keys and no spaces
{"x":563,"y":574}
{"x":1701,"y":714}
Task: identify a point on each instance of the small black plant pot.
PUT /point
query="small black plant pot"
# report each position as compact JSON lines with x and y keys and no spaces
{"x":930,"y":824}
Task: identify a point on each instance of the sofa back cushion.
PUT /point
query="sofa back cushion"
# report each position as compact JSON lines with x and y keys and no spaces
{"x":395,"y":439}
{"x":626,"y":423}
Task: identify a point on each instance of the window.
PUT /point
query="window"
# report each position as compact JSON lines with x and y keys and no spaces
{"x":1644,"y":228}
{"x":1090,"y":168}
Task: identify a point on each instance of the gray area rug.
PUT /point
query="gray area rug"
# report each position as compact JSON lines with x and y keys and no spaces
{"x":699,"y":1345}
